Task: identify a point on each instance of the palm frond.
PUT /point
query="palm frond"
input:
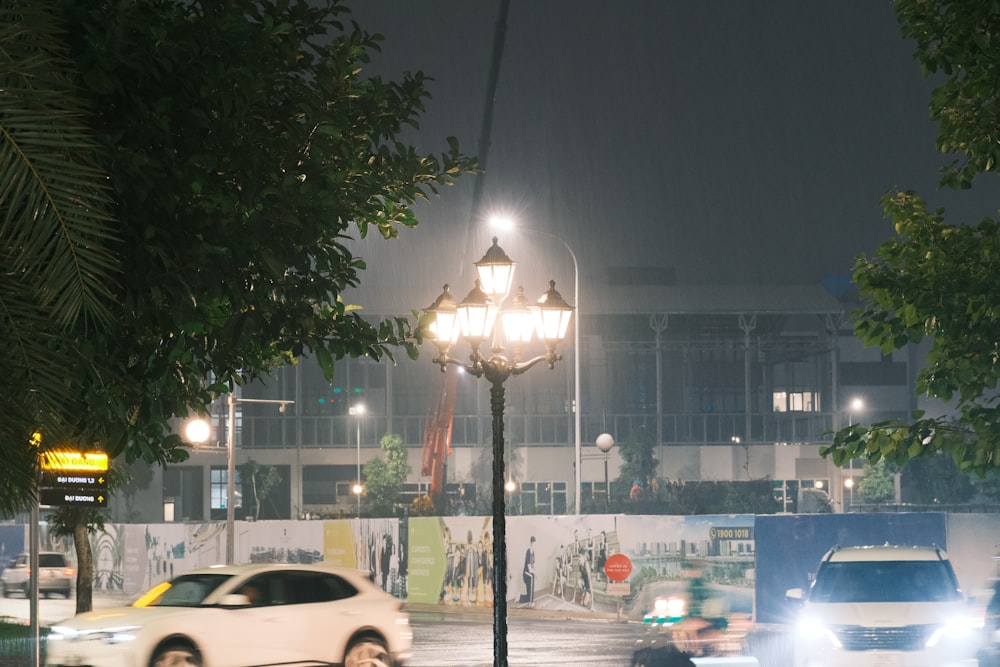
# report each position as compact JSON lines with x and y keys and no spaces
{"x":56,"y":235}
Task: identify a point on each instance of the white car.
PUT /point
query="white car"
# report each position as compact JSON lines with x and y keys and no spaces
{"x":885,"y":606}
{"x":236,"y":615}
{"x":55,"y":575}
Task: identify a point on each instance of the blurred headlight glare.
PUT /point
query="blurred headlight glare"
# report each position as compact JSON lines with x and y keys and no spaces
{"x":814,"y":629}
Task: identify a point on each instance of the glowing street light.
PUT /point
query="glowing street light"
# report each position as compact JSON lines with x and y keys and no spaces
{"x":474,"y":319}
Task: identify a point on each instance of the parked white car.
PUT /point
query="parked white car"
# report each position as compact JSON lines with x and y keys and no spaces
{"x":55,"y":575}
{"x":885,"y":606}
{"x":233,"y":615}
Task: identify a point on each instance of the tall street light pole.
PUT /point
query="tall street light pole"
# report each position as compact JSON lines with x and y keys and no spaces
{"x":576,"y":351}
{"x":857,"y":405}
{"x":198,"y":431}
{"x":357,"y":411}
{"x":474,"y":319}
{"x":604,"y":443}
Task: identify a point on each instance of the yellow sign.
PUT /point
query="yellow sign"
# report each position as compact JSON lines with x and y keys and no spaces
{"x":54,"y":460}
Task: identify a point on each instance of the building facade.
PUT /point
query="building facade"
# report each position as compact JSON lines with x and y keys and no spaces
{"x":730,"y":383}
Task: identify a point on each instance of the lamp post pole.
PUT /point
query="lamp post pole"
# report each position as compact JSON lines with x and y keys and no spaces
{"x":358,"y":411}
{"x":605,"y":442}
{"x":231,"y":479}
{"x":576,"y":356}
{"x":857,"y":405}
{"x":232,"y":400}
{"x":474,"y":319}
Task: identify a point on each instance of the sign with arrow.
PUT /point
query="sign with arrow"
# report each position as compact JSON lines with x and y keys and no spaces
{"x":74,"y":479}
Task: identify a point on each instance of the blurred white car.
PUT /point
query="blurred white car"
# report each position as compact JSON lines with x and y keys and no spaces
{"x":884,"y":606}
{"x":55,"y":575}
{"x":234,"y":615}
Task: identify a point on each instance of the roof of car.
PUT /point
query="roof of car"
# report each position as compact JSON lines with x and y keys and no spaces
{"x":886,"y":552}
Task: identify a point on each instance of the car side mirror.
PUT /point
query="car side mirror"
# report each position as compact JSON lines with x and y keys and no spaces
{"x":235,"y":600}
{"x":795,"y":595}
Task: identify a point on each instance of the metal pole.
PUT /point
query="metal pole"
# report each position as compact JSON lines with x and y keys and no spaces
{"x":231,"y":479}
{"x":358,"y":488}
{"x":576,"y":376}
{"x":607,"y":486}
{"x":499,"y":528}
{"x":36,"y":646}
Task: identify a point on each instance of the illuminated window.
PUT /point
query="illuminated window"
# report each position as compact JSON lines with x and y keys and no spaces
{"x":218,"y":491}
{"x":795,"y":401}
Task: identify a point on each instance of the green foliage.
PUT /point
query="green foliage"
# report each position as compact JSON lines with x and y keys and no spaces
{"x":638,"y":464}
{"x":57,"y":242}
{"x":258,"y":481}
{"x":384,"y":477}
{"x":878,"y":485}
{"x":236,"y":145}
{"x":937,"y":280}
{"x":955,"y":41}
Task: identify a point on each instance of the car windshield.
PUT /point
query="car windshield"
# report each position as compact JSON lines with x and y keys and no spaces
{"x":189,"y":590}
{"x":888,"y":581}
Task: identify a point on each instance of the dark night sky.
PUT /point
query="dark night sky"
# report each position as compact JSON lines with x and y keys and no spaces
{"x":730,"y":142}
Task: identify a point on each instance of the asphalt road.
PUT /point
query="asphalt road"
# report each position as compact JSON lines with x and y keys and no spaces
{"x":458,"y":637}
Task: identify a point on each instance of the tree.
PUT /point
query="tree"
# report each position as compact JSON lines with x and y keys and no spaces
{"x":57,"y":242}
{"x":937,"y":280}
{"x":259,"y":480}
{"x":384,"y":477}
{"x":242,"y":143}
{"x":877,"y":486}
{"x":638,"y":465}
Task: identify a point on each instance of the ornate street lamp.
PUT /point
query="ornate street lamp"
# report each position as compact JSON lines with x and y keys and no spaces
{"x":474,"y":318}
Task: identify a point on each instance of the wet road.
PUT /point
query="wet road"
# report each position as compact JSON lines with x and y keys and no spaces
{"x":457,"y":639}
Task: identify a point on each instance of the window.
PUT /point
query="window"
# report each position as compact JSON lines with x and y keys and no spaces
{"x":318,"y":485}
{"x":795,"y":401}
{"x":219,"y":490}
{"x":543,"y":497}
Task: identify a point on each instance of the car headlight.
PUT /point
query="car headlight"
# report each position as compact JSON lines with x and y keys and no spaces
{"x":813,"y":629}
{"x":957,"y":627}
{"x":110,"y":635}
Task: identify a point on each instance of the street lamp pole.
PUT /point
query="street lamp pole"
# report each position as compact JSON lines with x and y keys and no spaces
{"x":857,"y":405}
{"x":358,"y":411}
{"x":604,"y":443}
{"x":474,"y":319}
{"x":576,"y":356}
{"x":232,"y":400}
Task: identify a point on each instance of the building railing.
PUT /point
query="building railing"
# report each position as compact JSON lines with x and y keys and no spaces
{"x":292,"y":431}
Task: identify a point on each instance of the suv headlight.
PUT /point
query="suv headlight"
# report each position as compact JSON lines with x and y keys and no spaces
{"x":955,"y":628}
{"x":813,"y":629}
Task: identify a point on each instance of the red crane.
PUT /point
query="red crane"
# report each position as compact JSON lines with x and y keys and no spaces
{"x":437,"y":436}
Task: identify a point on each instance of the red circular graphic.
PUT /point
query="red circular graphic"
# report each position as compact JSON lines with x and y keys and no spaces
{"x":618,"y":567}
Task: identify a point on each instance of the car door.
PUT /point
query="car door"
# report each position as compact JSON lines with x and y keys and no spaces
{"x":263,"y":632}
{"x":327,"y":618}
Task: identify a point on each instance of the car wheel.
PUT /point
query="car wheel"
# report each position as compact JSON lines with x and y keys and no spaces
{"x":367,"y":653}
{"x":176,"y":655}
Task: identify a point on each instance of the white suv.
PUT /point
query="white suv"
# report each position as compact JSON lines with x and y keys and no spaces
{"x":887,"y":606}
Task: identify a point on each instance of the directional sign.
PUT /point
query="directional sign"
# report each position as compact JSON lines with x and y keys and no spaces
{"x":73,"y":497}
{"x":73,"y":479}
{"x":66,"y":460}
{"x":58,"y":480}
